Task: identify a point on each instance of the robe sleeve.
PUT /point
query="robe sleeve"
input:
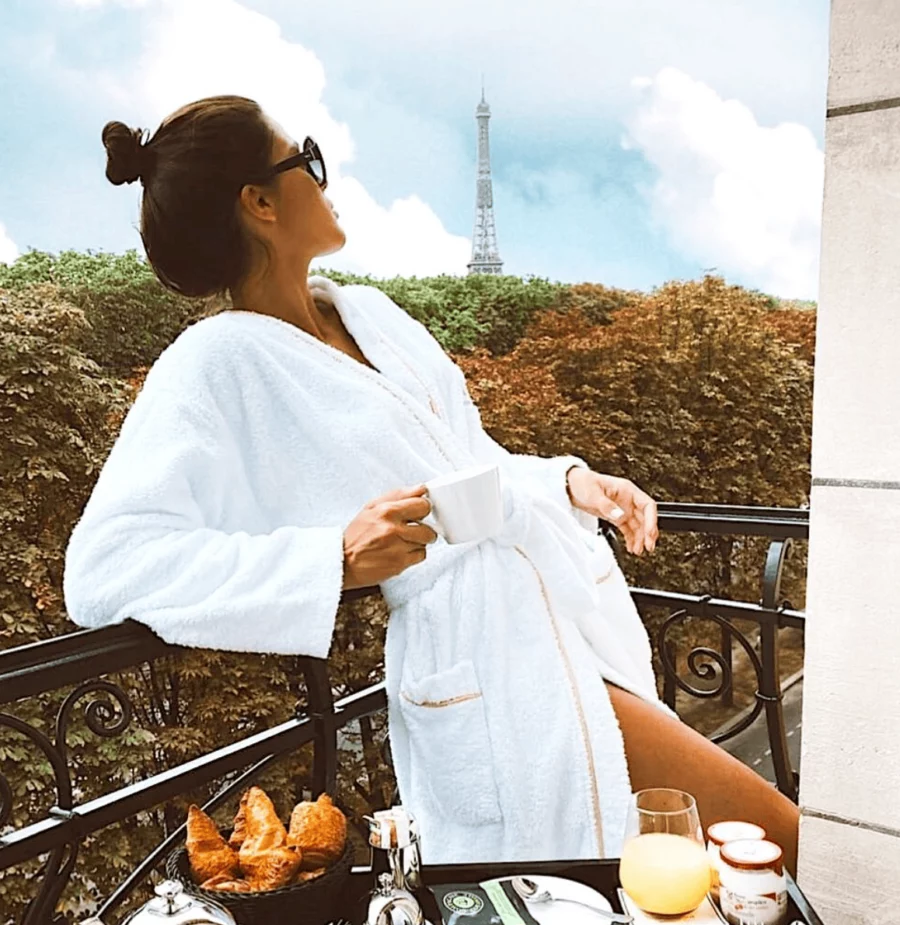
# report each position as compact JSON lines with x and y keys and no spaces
{"x":544,"y":474}
{"x":147,"y":546}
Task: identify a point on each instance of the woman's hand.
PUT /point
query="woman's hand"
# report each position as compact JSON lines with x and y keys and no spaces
{"x":383,"y":539}
{"x":620,"y":502}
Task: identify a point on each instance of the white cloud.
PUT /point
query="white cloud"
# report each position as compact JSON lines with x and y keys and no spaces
{"x":8,"y":250}
{"x":731,"y":193}
{"x":404,"y":76}
{"x":406,"y":239}
{"x":92,"y":4}
{"x":573,"y":59}
{"x":198,"y":48}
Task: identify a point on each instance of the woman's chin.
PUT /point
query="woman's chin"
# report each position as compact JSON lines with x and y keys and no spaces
{"x":336,"y":245}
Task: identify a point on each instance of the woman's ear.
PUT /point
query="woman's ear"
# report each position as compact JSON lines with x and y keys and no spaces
{"x":257,"y":203}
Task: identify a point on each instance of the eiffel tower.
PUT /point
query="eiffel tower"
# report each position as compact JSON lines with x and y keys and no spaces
{"x":485,"y":257}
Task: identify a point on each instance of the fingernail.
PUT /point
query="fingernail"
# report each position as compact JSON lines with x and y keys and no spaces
{"x":616,"y":513}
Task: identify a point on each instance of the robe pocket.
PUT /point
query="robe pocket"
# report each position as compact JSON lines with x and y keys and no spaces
{"x":450,"y":748}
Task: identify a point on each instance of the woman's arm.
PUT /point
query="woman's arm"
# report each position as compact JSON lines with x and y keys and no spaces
{"x":587,"y":495}
{"x":144,"y":548}
{"x":547,"y":475}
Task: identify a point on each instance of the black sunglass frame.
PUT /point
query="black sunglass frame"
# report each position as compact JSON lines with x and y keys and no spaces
{"x":304,"y":158}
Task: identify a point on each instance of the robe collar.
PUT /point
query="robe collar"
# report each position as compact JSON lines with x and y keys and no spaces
{"x":388,"y":358}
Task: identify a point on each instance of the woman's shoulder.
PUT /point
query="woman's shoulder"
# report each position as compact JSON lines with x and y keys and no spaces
{"x":394,"y":321}
{"x":200,"y":358}
{"x":391,"y":318}
{"x":209,"y":337}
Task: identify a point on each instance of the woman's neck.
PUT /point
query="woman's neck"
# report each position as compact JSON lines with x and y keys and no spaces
{"x":284,"y":293}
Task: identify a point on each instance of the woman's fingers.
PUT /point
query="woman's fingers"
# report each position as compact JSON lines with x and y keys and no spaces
{"x":640,"y":534}
{"x":417,"y":553}
{"x":417,"y":534}
{"x":399,"y":494}
{"x":640,"y":524}
{"x":612,"y":509}
{"x":406,"y":509}
{"x":620,"y":492}
{"x":635,"y":539}
{"x":645,"y":509}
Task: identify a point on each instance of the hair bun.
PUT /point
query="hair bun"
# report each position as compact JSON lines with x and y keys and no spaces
{"x":124,"y":152}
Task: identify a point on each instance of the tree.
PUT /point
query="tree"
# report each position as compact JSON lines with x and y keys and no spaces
{"x":690,"y":393}
{"x":131,"y":317}
{"x":698,"y":392}
{"x":469,"y":311}
{"x":59,"y":414}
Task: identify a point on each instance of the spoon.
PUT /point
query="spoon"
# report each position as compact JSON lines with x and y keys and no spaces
{"x":532,"y":893}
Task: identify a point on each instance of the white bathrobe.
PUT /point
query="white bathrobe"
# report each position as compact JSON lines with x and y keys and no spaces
{"x":218,"y":522}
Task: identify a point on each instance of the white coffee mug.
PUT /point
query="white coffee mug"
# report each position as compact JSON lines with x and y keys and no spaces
{"x":466,"y":506}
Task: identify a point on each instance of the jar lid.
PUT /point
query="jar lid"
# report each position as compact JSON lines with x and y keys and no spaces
{"x":733,"y":830}
{"x":752,"y":854}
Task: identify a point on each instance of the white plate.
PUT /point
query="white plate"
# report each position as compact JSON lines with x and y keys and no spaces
{"x":556,"y":913}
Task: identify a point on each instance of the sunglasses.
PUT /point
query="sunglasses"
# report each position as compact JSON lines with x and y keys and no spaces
{"x":309,"y":158}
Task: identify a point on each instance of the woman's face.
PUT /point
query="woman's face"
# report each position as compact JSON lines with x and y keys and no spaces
{"x":292,"y":213}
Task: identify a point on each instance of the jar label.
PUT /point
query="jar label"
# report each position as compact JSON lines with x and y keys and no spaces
{"x":753,"y":908}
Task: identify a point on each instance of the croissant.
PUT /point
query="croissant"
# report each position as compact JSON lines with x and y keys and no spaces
{"x":270,"y":869}
{"x":208,"y":852}
{"x":320,"y":831}
{"x":239,"y":833}
{"x":224,"y":884}
{"x":262,"y":827}
{"x":304,"y":875}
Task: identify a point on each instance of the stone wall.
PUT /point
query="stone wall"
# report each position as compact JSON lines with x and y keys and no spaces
{"x":850,"y":788}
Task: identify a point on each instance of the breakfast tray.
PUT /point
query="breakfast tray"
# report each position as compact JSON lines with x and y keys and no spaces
{"x":602,"y":876}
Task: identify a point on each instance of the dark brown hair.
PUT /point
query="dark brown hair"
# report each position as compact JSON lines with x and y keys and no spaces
{"x":192,"y":171}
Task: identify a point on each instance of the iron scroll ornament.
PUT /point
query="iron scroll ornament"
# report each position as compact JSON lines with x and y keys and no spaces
{"x":707,"y":664}
{"x":106,"y":716}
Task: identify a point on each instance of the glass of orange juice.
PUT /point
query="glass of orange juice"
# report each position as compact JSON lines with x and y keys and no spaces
{"x":664,"y":866}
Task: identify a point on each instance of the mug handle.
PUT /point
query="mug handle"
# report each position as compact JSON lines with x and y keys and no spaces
{"x":431,"y":521}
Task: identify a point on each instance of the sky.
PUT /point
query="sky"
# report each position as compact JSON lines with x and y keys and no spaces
{"x":633,"y":142}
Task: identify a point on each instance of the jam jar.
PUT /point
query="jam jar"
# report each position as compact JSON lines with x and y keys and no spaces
{"x":718,"y":834}
{"x":753,"y":890}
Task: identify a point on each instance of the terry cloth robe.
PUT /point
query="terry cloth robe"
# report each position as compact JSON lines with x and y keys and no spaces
{"x":218,"y":522}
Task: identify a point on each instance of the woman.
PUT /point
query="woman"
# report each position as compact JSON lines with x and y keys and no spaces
{"x":261,"y":471}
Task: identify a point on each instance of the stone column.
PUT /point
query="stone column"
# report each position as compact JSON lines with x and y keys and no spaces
{"x":850,"y":786}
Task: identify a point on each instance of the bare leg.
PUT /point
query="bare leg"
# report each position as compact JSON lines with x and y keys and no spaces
{"x":662,"y":752}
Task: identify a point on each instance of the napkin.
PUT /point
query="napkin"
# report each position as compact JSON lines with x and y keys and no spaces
{"x":490,"y":903}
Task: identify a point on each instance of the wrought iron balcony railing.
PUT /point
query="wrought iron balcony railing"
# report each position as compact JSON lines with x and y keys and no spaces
{"x":82,"y":660}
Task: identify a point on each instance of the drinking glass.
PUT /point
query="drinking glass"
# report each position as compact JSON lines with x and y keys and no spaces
{"x":664,"y":866}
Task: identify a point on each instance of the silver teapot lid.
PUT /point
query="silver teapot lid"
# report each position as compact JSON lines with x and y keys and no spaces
{"x":172,"y":906}
{"x":392,"y":906}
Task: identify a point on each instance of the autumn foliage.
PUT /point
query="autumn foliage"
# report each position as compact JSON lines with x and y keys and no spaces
{"x":698,"y":391}
{"x":691,"y":393}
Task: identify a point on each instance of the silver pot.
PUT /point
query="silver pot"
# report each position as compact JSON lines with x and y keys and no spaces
{"x":392,"y":906}
{"x":172,"y":906}
{"x":396,"y":832}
